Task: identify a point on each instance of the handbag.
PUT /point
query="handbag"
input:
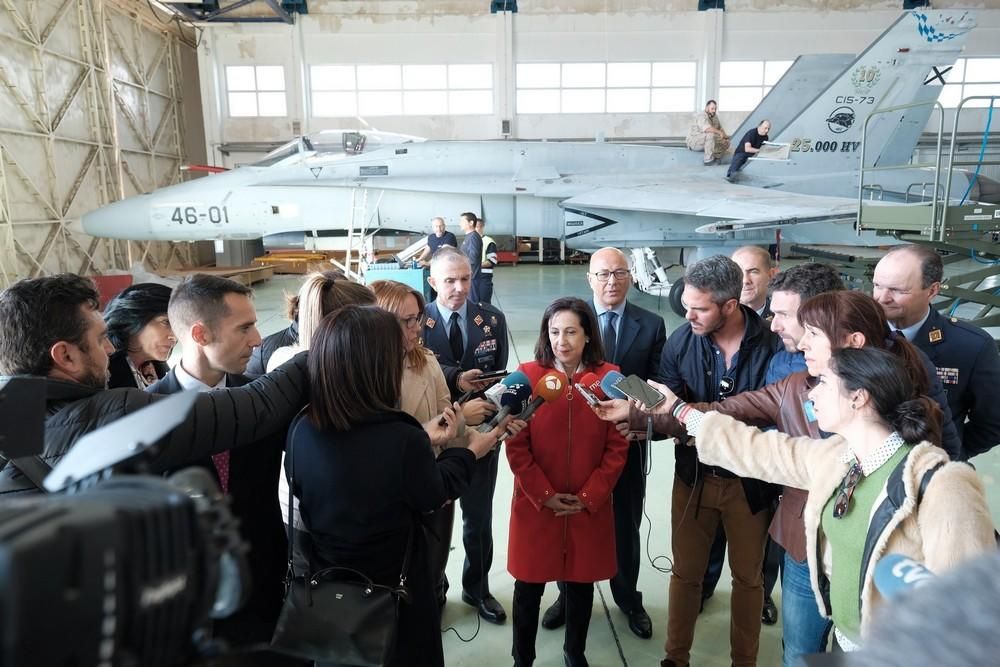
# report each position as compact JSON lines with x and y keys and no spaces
{"x":337,"y":614}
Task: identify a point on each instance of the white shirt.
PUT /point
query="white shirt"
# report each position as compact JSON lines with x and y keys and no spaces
{"x":911,"y":331}
{"x":619,"y":310}
{"x":188,"y":381}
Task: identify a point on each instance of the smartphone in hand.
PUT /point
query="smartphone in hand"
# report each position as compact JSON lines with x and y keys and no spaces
{"x":638,"y":390}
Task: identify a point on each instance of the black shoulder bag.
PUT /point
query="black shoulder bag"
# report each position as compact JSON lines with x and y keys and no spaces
{"x":337,"y":614}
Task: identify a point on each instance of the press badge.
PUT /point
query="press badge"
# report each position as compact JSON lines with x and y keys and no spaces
{"x":807,"y":407}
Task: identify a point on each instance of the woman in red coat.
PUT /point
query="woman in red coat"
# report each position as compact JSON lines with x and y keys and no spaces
{"x":565,"y":465}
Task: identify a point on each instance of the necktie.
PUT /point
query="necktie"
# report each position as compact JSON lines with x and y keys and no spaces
{"x":609,"y":337}
{"x":221,"y":461}
{"x":455,"y":339}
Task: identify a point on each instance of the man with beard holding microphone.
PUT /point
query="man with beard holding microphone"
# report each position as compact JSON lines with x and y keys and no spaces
{"x":632,"y":338}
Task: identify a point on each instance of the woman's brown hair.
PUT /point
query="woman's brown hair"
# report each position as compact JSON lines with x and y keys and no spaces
{"x":593,"y":351}
{"x":840,"y":313}
{"x":355,"y":367}
{"x":391,"y":295}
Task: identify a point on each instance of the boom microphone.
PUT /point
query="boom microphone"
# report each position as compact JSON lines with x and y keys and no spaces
{"x":895,"y":573}
{"x":608,"y":385}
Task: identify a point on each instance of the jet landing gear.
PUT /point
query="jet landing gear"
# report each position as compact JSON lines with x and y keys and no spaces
{"x":650,"y":276}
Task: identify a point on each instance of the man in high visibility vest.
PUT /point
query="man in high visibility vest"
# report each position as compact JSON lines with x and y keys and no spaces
{"x":484,"y":284}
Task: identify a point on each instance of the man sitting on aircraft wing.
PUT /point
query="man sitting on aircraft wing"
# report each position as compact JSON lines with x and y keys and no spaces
{"x":707,"y":134}
{"x":749,"y":145}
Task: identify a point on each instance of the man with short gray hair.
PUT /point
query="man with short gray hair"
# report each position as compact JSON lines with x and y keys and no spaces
{"x":906,"y":280}
{"x":723,"y":349}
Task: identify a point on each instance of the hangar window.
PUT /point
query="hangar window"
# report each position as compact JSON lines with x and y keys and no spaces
{"x":401,"y":90}
{"x":256,"y":90}
{"x":967,"y":78}
{"x":605,"y":87}
{"x":743,"y":84}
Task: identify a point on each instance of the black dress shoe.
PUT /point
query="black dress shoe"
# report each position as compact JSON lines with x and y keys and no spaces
{"x":640,"y":624}
{"x":555,"y":616}
{"x":769,"y":615}
{"x":489,"y":608}
{"x":575,"y":662}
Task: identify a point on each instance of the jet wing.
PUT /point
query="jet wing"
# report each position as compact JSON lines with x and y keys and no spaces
{"x":725,"y":207}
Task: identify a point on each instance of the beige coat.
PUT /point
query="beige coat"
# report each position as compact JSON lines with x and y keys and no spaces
{"x":425,"y":395}
{"x":953,"y":523}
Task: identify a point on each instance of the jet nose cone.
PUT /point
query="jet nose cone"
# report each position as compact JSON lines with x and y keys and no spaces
{"x":125,"y":219}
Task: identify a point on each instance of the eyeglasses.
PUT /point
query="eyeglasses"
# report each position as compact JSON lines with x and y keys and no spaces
{"x":843,"y":501}
{"x":604,"y":276}
{"x":409,"y":322}
{"x":726,"y":386}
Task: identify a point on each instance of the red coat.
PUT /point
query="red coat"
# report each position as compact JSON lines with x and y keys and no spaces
{"x":564,"y":449}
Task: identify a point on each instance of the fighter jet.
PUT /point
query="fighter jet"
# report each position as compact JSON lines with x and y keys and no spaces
{"x":596,"y":194}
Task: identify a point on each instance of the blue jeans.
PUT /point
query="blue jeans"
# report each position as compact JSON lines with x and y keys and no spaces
{"x":804,"y":630}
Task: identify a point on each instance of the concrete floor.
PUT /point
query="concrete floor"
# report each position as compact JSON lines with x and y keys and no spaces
{"x":523,"y":293}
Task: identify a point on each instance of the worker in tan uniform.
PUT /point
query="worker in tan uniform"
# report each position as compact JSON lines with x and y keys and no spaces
{"x":707,"y":134}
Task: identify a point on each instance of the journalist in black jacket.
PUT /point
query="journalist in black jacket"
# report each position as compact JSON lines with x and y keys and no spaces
{"x":363,"y":471}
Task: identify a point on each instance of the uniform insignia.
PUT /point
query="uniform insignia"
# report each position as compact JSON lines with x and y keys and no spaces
{"x":478,"y":319}
{"x":493,"y":320}
{"x":430,"y":322}
{"x":487,"y":330}
{"x":948,"y":375}
{"x":935,"y":335}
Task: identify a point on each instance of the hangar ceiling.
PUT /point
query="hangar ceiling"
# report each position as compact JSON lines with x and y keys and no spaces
{"x":90,"y":111}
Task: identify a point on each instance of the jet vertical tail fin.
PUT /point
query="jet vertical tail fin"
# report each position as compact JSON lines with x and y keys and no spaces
{"x":901,"y":67}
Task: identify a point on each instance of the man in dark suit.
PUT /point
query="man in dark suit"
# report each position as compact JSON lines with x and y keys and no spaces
{"x":469,"y":339}
{"x":906,"y":281}
{"x":215,"y":321}
{"x":633,"y":338}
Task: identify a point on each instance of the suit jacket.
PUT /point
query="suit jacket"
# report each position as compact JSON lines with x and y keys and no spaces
{"x":485,"y":349}
{"x":253,"y":492}
{"x":641,"y":336}
{"x":969,"y":368}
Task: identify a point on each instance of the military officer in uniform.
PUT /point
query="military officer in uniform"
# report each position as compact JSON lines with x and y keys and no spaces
{"x":906,"y":280}
{"x":469,"y":339}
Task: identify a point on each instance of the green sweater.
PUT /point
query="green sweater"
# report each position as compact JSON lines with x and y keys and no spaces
{"x":846,"y":537}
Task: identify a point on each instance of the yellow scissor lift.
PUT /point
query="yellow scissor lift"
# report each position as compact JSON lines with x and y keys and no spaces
{"x":965,"y":231}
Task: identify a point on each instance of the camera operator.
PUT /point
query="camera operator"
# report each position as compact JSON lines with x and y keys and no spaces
{"x":52,"y":327}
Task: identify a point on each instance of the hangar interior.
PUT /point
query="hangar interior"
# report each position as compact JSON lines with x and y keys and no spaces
{"x":106,"y":99}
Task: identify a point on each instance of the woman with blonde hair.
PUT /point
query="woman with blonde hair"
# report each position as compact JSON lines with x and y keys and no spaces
{"x":320,"y":294}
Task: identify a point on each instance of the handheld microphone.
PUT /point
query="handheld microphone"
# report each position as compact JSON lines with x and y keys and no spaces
{"x":608,"y":383}
{"x":496,"y":390}
{"x":593,"y":383}
{"x":548,"y":388}
{"x":513,"y":401}
{"x":895,"y":573}
{"x":585,"y":388}
{"x":493,"y":393}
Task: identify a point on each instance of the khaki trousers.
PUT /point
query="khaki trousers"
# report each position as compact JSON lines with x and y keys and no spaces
{"x":694,"y":524}
{"x":713,"y":145}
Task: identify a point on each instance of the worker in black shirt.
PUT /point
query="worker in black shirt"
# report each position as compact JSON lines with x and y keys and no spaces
{"x":749,"y":145}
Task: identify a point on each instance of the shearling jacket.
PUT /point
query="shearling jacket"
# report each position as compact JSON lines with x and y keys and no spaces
{"x":953,"y":523}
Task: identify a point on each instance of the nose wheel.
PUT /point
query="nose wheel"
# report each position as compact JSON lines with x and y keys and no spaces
{"x":676,"y":297}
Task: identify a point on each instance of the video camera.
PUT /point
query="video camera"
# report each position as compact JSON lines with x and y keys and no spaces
{"x":111,"y":568}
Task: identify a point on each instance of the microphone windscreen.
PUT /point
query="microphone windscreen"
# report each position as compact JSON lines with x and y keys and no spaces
{"x":517,"y":377}
{"x":895,"y":574}
{"x":515,"y":398}
{"x":589,"y":381}
{"x":550,"y":386}
{"x":608,"y":385}
{"x":595,"y":387}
